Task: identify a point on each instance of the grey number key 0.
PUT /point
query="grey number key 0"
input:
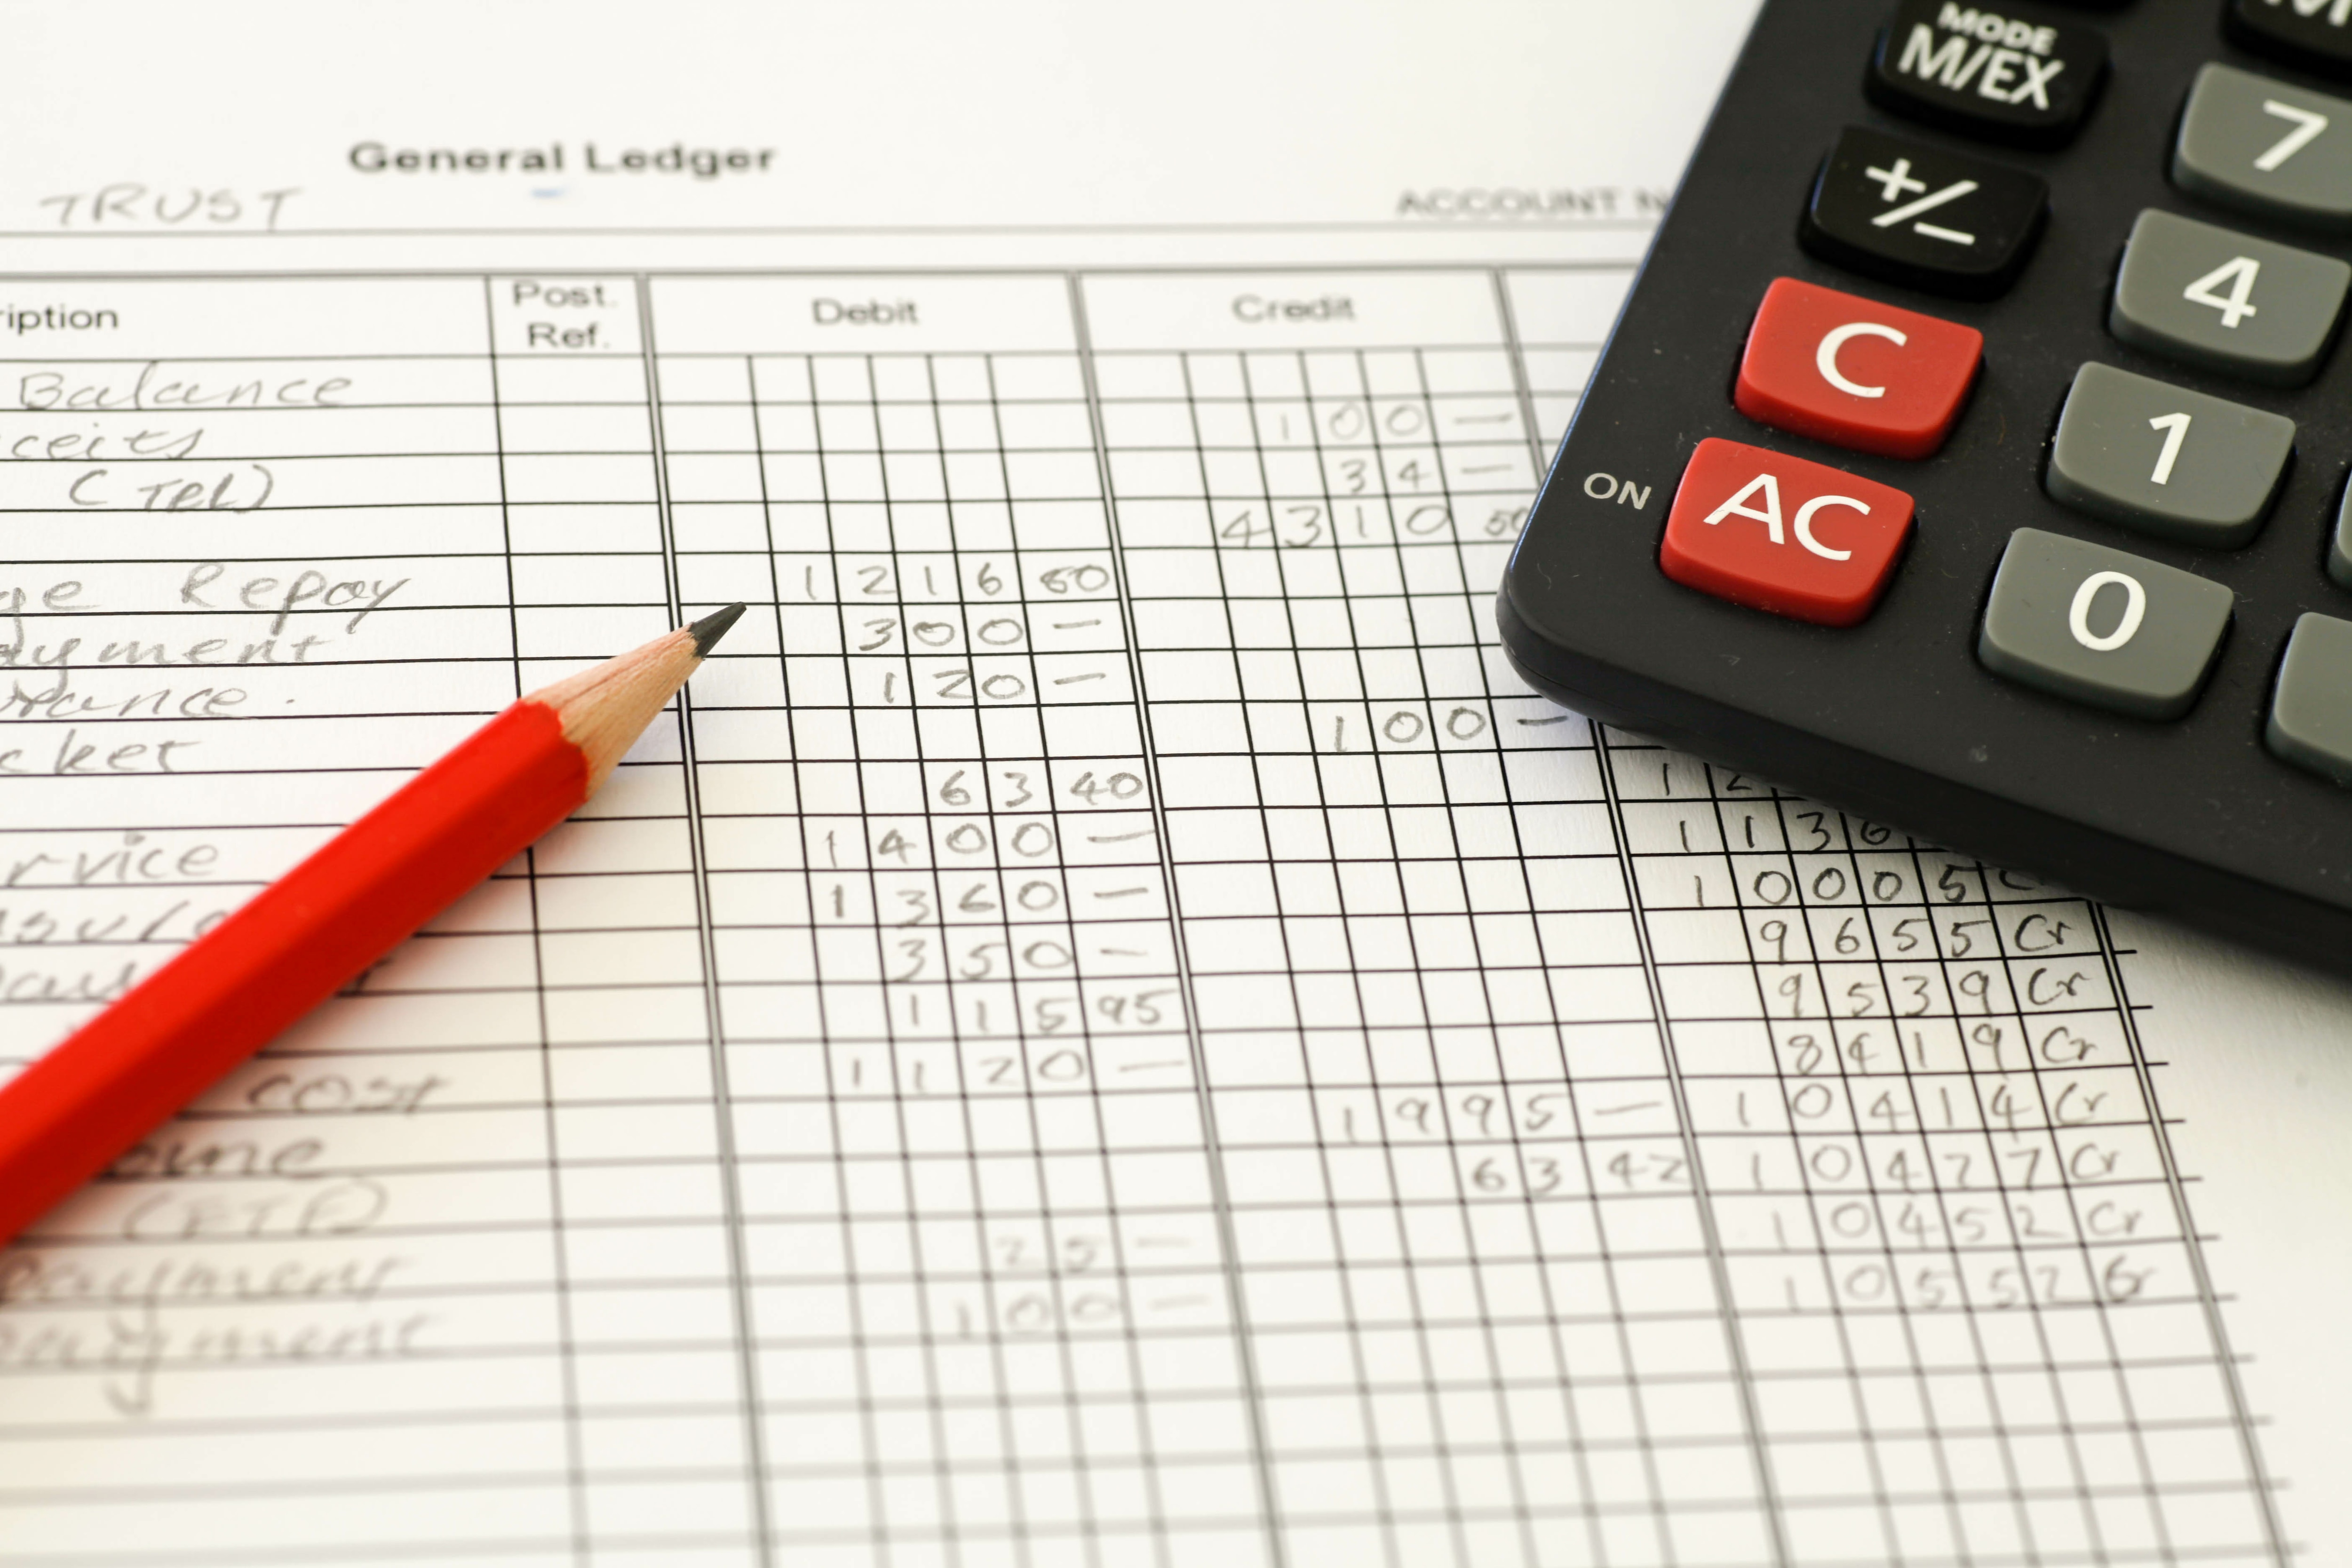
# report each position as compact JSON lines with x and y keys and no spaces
{"x":2163,"y":460}
{"x":2101,"y":627}
{"x":2226,"y":301}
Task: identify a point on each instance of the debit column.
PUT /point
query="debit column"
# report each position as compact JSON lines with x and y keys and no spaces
{"x":989,"y":1318}
{"x":662,"y":1410}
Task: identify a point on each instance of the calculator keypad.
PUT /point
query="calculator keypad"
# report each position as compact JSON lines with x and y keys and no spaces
{"x":2279,"y":151}
{"x":2163,"y":460}
{"x":2099,"y":626}
{"x":2028,"y":79}
{"x":1781,"y":534}
{"x":2310,"y":721}
{"x":1922,"y":216}
{"x":1856,"y":373}
{"x":2072,"y":618}
{"x":2120,"y":496}
{"x":2212,"y":297}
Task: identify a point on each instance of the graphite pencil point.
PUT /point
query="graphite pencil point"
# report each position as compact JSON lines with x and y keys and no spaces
{"x":707,"y":631}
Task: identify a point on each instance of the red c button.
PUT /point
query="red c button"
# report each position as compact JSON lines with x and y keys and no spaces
{"x":1856,"y":373}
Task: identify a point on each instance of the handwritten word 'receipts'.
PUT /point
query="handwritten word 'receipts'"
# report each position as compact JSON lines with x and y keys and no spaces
{"x":128,"y":205}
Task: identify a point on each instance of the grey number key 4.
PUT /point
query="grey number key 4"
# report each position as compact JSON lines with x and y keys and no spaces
{"x":2212,"y":296}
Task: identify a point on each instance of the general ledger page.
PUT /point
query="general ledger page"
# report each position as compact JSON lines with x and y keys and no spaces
{"x":1107,"y":1026}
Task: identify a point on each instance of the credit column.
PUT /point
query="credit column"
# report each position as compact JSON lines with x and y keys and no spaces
{"x":1478,"y":1289}
{"x":662,"y":1406}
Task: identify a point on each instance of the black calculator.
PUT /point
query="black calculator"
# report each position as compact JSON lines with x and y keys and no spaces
{"x":1971,"y":451}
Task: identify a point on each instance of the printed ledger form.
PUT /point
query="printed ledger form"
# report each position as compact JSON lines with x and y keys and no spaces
{"x":1107,"y":1028}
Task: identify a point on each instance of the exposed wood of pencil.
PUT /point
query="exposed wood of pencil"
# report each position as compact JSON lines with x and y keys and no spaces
{"x":604,"y":710}
{"x":78,"y":1109}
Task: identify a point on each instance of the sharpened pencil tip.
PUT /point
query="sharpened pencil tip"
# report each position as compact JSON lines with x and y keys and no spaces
{"x":707,"y":631}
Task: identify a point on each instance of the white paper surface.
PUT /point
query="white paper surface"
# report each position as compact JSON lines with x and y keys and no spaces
{"x":1112,"y":1029}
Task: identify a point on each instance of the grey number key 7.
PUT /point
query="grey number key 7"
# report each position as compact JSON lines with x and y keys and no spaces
{"x":2267,"y":148}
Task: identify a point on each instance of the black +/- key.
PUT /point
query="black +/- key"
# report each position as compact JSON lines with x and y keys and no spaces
{"x":2010,"y":75}
{"x":2313,"y":34}
{"x":1922,"y":216}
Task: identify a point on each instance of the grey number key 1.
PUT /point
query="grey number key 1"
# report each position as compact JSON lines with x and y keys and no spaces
{"x":2264,"y":147}
{"x":2101,"y":625}
{"x":2212,"y":297}
{"x":2167,"y":461}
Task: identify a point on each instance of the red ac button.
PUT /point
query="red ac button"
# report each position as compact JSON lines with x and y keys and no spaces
{"x":1778,"y":534}
{"x":1856,"y":373}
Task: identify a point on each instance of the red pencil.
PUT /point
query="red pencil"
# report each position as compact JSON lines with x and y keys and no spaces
{"x":77,"y":1110}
